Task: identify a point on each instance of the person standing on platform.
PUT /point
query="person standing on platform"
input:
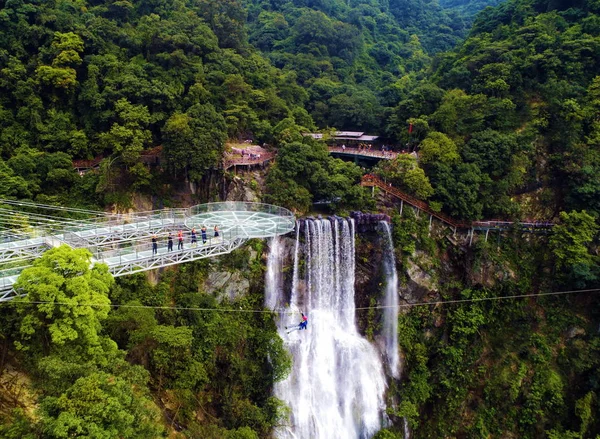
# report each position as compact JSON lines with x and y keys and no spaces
{"x":203,"y":232}
{"x":170,"y":242}
{"x":154,"y":245}
{"x":180,"y":240}
{"x":194,"y":238}
{"x":216,"y":231}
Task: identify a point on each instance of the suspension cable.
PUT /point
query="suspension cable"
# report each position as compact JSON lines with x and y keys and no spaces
{"x":287,"y":311}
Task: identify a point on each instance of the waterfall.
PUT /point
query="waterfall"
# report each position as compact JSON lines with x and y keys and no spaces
{"x":390,"y":313}
{"x":273,"y":281}
{"x":337,"y":384}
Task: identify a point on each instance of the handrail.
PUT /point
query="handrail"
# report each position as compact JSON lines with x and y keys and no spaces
{"x":372,"y":180}
{"x":232,"y":160}
{"x":390,"y":155}
{"x":125,"y":242}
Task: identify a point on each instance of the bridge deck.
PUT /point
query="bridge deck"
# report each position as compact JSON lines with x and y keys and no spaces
{"x":125,"y":244}
{"x":371,"y":180}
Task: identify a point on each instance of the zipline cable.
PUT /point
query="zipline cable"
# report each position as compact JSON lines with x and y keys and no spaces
{"x":286,"y":311}
{"x":51,"y":207}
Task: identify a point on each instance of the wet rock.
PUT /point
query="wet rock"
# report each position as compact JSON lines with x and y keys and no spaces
{"x":238,"y":190}
{"x":417,"y":273}
{"x":574,"y":332}
{"x":226,"y":284}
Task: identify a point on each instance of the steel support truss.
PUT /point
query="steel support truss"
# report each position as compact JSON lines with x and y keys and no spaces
{"x":35,"y":250}
{"x":165,"y":259}
{"x":75,"y":239}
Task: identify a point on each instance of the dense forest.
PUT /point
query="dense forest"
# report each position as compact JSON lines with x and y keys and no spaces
{"x":502,"y":99}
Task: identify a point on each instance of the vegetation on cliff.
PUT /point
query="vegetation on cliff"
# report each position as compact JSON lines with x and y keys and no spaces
{"x":510,"y":112}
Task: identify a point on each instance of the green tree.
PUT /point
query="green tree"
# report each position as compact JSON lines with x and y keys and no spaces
{"x":68,"y":300}
{"x":458,"y":188}
{"x":489,"y":150}
{"x":101,"y":405}
{"x":570,"y":245}
{"x":194,"y":141}
{"x":439,"y":148}
{"x":130,"y":135}
{"x":405,"y":172}
{"x":62,"y":74}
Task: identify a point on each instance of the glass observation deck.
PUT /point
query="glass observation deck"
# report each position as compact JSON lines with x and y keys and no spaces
{"x":124,"y":242}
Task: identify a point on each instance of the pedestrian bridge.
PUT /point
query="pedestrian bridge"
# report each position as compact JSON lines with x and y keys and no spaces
{"x":124,"y":242}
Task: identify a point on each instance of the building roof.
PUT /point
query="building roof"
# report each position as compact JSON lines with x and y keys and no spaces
{"x":87,"y":164}
{"x":349,"y":134}
{"x":153,"y":152}
{"x":345,"y":135}
{"x":361,"y":138}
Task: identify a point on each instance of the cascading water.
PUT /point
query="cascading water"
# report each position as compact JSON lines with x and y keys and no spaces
{"x":337,"y":384}
{"x":390,"y":313}
{"x":273,"y":281}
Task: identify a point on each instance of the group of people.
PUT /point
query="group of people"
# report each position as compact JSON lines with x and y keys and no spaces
{"x":250,"y":155}
{"x":180,"y":235}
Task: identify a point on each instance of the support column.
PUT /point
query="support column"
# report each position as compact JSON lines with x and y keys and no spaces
{"x":401,"y":206}
{"x":487,"y":232}
{"x":373,"y":191}
{"x":430,"y":220}
{"x":471,"y":240}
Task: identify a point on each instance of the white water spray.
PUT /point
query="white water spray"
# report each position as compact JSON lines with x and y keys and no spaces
{"x":390,"y":313}
{"x":273,"y":281}
{"x":336,"y":386}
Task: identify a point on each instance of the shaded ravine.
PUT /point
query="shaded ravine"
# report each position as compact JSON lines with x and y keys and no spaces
{"x":337,"y":384}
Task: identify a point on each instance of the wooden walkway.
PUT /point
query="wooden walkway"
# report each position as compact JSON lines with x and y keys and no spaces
{"x":232,"y":160}
{"x":386,"y":155}
{"x":528,"y":226}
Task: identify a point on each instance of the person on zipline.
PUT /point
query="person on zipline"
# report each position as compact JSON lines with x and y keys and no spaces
{"x":300,"y":326}
{"x":304,"y":323}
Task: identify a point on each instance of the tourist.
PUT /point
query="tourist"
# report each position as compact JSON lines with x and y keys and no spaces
{"x":180,"y":240}
{"x":170,"y":242}
{"x":216,"y":231}
{"x":203,"y":231}
{"x":154,"y":245}
{"x":194,"y":239}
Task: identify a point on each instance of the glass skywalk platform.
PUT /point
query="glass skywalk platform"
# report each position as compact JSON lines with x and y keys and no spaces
{"x":124,"y":243}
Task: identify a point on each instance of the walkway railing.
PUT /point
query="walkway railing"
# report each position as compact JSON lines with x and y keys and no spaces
{"x":372,"y":180}
{"x":235,"y":160}
{"x":387,"y":155}
{"x":124,"y":242}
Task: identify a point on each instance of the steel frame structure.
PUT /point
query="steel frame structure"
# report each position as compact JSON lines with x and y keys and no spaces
{"x":123,"y":242}
{"x":165,"y":259}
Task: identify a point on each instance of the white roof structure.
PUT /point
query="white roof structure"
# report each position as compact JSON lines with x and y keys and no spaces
{"x":351,"y":134}
{"x":359,"y":136}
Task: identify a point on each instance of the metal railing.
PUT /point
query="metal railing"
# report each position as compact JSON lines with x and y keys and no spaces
{"x":124,"y":241}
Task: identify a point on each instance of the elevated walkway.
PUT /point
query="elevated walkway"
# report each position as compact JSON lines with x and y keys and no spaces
{"x":351,"y":151}
{"x":124,"y":242}
{"x":370,"y":180}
